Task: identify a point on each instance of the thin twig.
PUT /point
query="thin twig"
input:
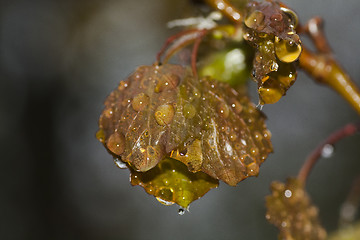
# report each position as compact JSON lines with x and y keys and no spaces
{"x":346,"y":131}
{"x":227,"y":9}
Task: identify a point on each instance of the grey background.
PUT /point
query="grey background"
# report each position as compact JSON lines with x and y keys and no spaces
{"x":60,"y":59}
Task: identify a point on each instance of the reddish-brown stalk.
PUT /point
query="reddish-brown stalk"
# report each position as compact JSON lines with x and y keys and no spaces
{"x":346,"y":131}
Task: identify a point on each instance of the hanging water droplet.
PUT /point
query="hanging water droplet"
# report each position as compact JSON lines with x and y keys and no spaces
{"x":120,"y":163}
{"x":327,"y":151}
{"x":181,"y":211}
{"x":287,"y":51}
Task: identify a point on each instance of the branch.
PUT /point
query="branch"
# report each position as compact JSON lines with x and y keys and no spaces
{"x":324,"y":69}
{"x":346,"y":131}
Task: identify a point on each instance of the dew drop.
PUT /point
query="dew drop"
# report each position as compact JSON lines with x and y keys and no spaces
{"x":120,"y":163}
{"x":164,"y":114}
{"x":116,"y":143}
{"x":327,"y":151}
{"x":287,"y":51}
{"x":223,"y":110}
{"x":189,"y":111}
{"x":140,"y":101}
{"x":181,"y":211}
{"x":274,"y":67}
{"x":252,"y":169}
{"x":167,"y":82}
{"x":255,"y":19}
{"x":100,"y":135}
{"x":288,"y":193}
{"x":269,"y":95}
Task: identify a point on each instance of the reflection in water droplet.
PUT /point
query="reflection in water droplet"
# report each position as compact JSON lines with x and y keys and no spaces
{"x":162,"y":201}
{"x":120,"y":163}
{"x":327,"y":151}
{"x":164,"y":114}
{"x":288,"y":193}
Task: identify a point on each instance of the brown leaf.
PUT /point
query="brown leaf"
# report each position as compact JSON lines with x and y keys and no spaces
{"x":164,"y":111}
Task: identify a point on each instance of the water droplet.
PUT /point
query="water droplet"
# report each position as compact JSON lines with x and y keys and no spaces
{"x":120,"y":163}
{"x":100,"y":135}
{"x":288,"y":193}
{"x":223,"y":110}
{"x":116,"y":143}
{"x":140,"y":101}
{"x":167,"y":82}
{"x":122,"y":85}
{"x":327,"y":151}
{"x":181,"y":211}
{"x":164,"y":114}
{"x":146,"y":133}
{"x":189,"y":111}
{"x":255,"y":19}
{"x":274,"y":67}
{"x":269,"y":95}
{"x":287,"y":51}
{"x":252,"y":169}
{"x":236,"y":106}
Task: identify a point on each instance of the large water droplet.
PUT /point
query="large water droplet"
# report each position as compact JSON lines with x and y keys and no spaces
{"x":181,"y":211}
{"x":287,"y":51}
{"x":327,"y":151}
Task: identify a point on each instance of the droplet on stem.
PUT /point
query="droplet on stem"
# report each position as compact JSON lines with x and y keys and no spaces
{"x":327,"y":151}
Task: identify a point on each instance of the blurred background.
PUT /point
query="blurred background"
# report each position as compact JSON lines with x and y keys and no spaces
{"x":61,"y":58}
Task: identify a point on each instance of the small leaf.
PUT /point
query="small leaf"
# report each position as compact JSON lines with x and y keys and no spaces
{"x":270,"y":28}
{"x":290,"y":209}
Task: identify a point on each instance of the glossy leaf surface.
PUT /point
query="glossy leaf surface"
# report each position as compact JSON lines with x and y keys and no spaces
{"x":164,"y":111}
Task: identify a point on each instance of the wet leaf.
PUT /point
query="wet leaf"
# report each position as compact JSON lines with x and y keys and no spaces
{"x":290,"y":209}
{"x":270,"y":28}
{"x":164,"y":111}
{"x":171,"y":182}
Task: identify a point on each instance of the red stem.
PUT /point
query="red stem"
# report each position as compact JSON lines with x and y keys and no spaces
{"x":346,"y":131}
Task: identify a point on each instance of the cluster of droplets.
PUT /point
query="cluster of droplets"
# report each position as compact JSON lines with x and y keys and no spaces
{"x":270,"y":29}
{"x":290,"y":209}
